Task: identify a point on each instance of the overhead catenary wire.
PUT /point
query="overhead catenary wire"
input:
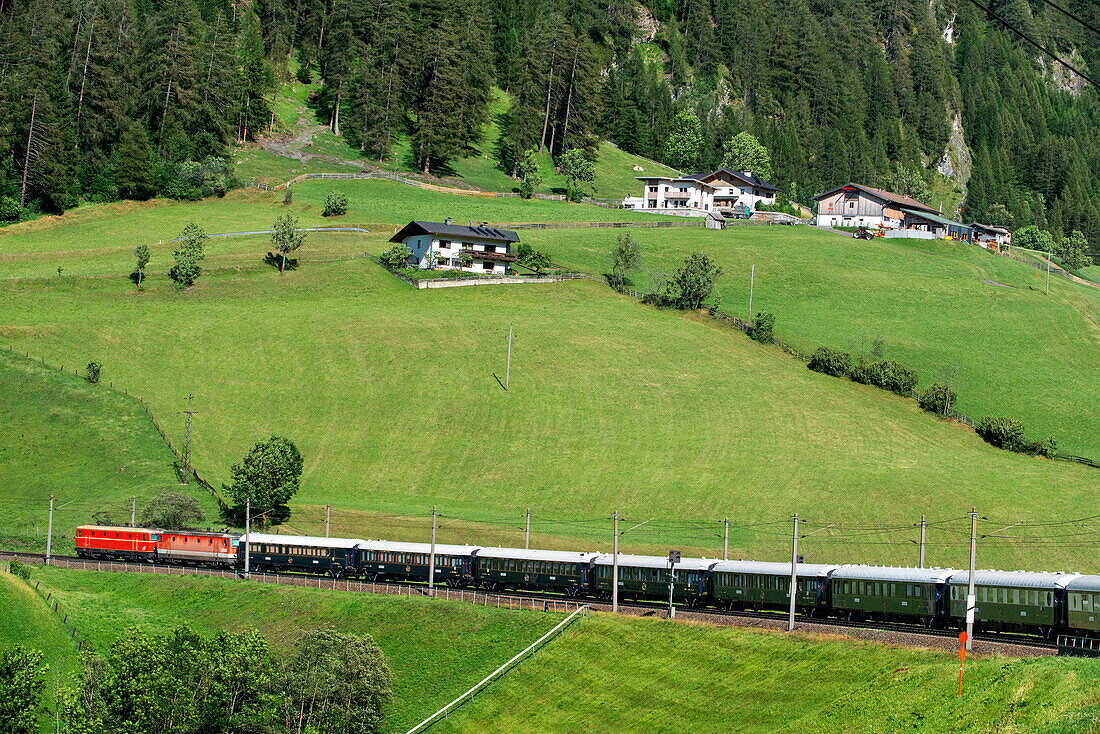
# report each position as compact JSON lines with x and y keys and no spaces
{"x":1073,"y":16}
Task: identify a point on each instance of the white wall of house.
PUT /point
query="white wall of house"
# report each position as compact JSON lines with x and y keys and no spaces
{"x":448,"y":253}
{"x":678,"y":196}
{"x":730,"y":192}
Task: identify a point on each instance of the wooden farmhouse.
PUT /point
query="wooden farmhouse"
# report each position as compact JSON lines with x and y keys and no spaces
{"x":446,"y":246}
{"x":855,"y":205}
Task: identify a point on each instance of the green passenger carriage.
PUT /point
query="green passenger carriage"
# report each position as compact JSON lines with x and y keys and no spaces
{"x":647,"y":577}
{"x":767,"y":585}
{"x":517,"y":568}
{"x":380,"y":560}
{"x":1083,"y":604}
{"x":882,"y":592}
{"x":267,"y":552}
{"x":1023,"y":601}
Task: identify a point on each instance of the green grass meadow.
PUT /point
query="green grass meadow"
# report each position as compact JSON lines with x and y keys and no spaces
{"x":390,"y":394}
{"x":92,"y":447}
{"x":436,"y":650}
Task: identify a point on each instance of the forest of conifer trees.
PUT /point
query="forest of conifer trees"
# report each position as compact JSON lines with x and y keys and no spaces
{"x":110,"y":99}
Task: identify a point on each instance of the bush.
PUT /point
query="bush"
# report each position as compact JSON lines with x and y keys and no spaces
{"x":20,"y":569}
{"x":887,"y":374}
{"x":397,"y":256}
{"x":526,"y":189}
{"x":10,"y":211}
{"x":193,"y":180}
{"x":1008,"y":433}
{"x":694,"y":282}
{"x":336,"y":204}
{"x":762,"y":327}
{"x":938,"y":398}
{"x":830,"y":361}
{"x":288,"y":197}
{"x":92,"y":371}
{"x":172,"y":511}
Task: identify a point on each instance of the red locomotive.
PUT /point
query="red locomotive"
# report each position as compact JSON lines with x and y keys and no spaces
{"x":156,"y":546}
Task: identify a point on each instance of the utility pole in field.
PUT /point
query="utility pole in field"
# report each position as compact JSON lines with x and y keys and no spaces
{"x":133,"y":512}
{"x":794,"y":572}
{"x":970,"y":599}
{"x":673,"y":559}
{"x":247,"y":532}
{"x":614,"y":561}
{"x":49,"y":533}
{"x":726,"y":540}
{"x":527,"y":531}
{"x":922,"y":526}
{"x":431,"y":557}
{"x":508,"y":366}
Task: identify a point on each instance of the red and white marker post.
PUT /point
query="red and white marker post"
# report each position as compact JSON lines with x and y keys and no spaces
{"x":962,"y":657}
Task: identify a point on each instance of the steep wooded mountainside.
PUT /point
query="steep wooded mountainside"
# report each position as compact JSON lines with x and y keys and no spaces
{"x":105,"y":99}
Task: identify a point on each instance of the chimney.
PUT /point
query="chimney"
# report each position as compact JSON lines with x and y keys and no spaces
{"x":447,"y":220}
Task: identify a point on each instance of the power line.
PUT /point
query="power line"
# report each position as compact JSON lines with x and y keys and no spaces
{"x":1067,"y":13}
{"x":1034,"y":43}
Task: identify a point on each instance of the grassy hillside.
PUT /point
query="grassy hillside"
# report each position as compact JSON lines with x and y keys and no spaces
{"x":613,"y":406}
{"x":629,"y":675}
{"x":318,"y":150}
{"x":89,"y":445}
{"x":435,"y":650}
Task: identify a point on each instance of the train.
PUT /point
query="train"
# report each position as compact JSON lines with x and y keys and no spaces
{"x":1040,"y":604}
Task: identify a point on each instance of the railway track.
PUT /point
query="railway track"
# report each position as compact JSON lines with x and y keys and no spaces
{"x":1006,"y":643}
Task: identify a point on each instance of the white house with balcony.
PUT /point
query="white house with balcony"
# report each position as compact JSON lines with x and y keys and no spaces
{"x":699,"y":194}
{"x":446,"y":246}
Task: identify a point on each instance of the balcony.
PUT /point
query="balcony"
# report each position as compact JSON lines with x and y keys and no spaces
{"x":483,"y":255}
{"x":677,"y":194}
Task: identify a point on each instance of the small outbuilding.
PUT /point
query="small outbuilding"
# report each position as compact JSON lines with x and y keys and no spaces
{"x":443,"y":245}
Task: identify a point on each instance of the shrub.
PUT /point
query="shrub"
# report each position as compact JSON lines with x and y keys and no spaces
{"x":695,"y":280}
{"x":1008,"y":433}
{"x":20,"y":569}
{"x":887,"y":374}
{"x":397,"y":256}
{"x":336,"y":204}
{"x":762,"y":326}
{"x":193,"y":180}
{"x":190,"y":250}
{"x":830,"y":361}
{"x":91,"y":372}
{"x":10,"y":211}
{"x":288,"y":197}
{"x":526,"y":189}
{"x":938,"y":398}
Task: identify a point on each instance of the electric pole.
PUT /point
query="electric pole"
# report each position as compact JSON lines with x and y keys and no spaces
{"x":614,"y":560}
{"x":431,"y":558}
{"x":673,"y":557}
{"x":187,"y":433}
{"x":752,"y":279}
{"x":508,"y":367}
{"x":49,"y":533}
{"x":328,"y":511}
{"x":922,"y":526}
{"x":527,"y":532}
{"x":970,"y":600}
{"x":247,"y":529}
{"x":794,"y":572}
{"x":1048,"y":273}
{"x":726,"y":540}
{"x":133,"y":512}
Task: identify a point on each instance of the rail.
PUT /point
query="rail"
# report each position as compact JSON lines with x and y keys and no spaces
{"x":529,"y":650}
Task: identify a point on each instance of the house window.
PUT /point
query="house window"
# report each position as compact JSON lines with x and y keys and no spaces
{"x":487,"y":265}
{"x":653,"y":189}
{"x":444,"y":244}
{"x":851,"y":205}
{"x":652,"y":203}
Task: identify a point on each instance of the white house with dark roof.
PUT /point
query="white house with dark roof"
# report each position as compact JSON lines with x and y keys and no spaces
{"x":699,"y":194}
{"x":444,"y":245}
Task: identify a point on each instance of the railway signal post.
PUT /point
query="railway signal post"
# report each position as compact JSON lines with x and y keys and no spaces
{"x":965,"y":640}
{"x":794,"y":573}
{"x":328,"y":512}
{"x":527,"y":532}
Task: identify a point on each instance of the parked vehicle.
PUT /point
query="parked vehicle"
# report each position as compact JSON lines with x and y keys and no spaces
{"x":863,"y":233}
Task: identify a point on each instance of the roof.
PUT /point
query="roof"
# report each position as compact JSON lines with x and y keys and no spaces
{"x":536,"y":555}
{"x":989,"y":227}
{"x":627,"y":559}
{"x":301,"y":540}
{"x":750,"y":178}
{"x":480,"y":231}
{"x":884,"y":195}
{"x":118,"y":529}
{"x":895,"y":573}
{"x":440,"y":548}
{"x":1022,"y":579}
{"x":771,"y":568}
{"x":695,"y":178}
{"x":1085,"y":583}
{"x":198,"y":533}
{"x":935,"y":218}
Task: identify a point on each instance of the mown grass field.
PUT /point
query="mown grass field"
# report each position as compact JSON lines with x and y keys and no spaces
{"x":436,"y":650}
{"x":90,"y":446}
{"x":630,"y":675}
{"x":390,"y":394}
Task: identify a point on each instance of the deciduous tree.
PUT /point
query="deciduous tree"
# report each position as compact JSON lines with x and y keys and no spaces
{"x":268,"y":475}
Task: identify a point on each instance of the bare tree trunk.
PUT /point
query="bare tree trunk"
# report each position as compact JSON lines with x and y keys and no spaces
{"x":336,"y":109}
{"x":210,"y":67}
{"x":568,"y":101}
{"x":27,"y":154}
{"x":168,"y":92}
{"x":549,"y":86}
{"x":427,"y":162}
{"x":84,"y":76}
{"x":321,"y":42}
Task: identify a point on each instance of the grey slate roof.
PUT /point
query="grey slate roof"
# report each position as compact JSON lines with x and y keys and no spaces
{"x":458,"y":231}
